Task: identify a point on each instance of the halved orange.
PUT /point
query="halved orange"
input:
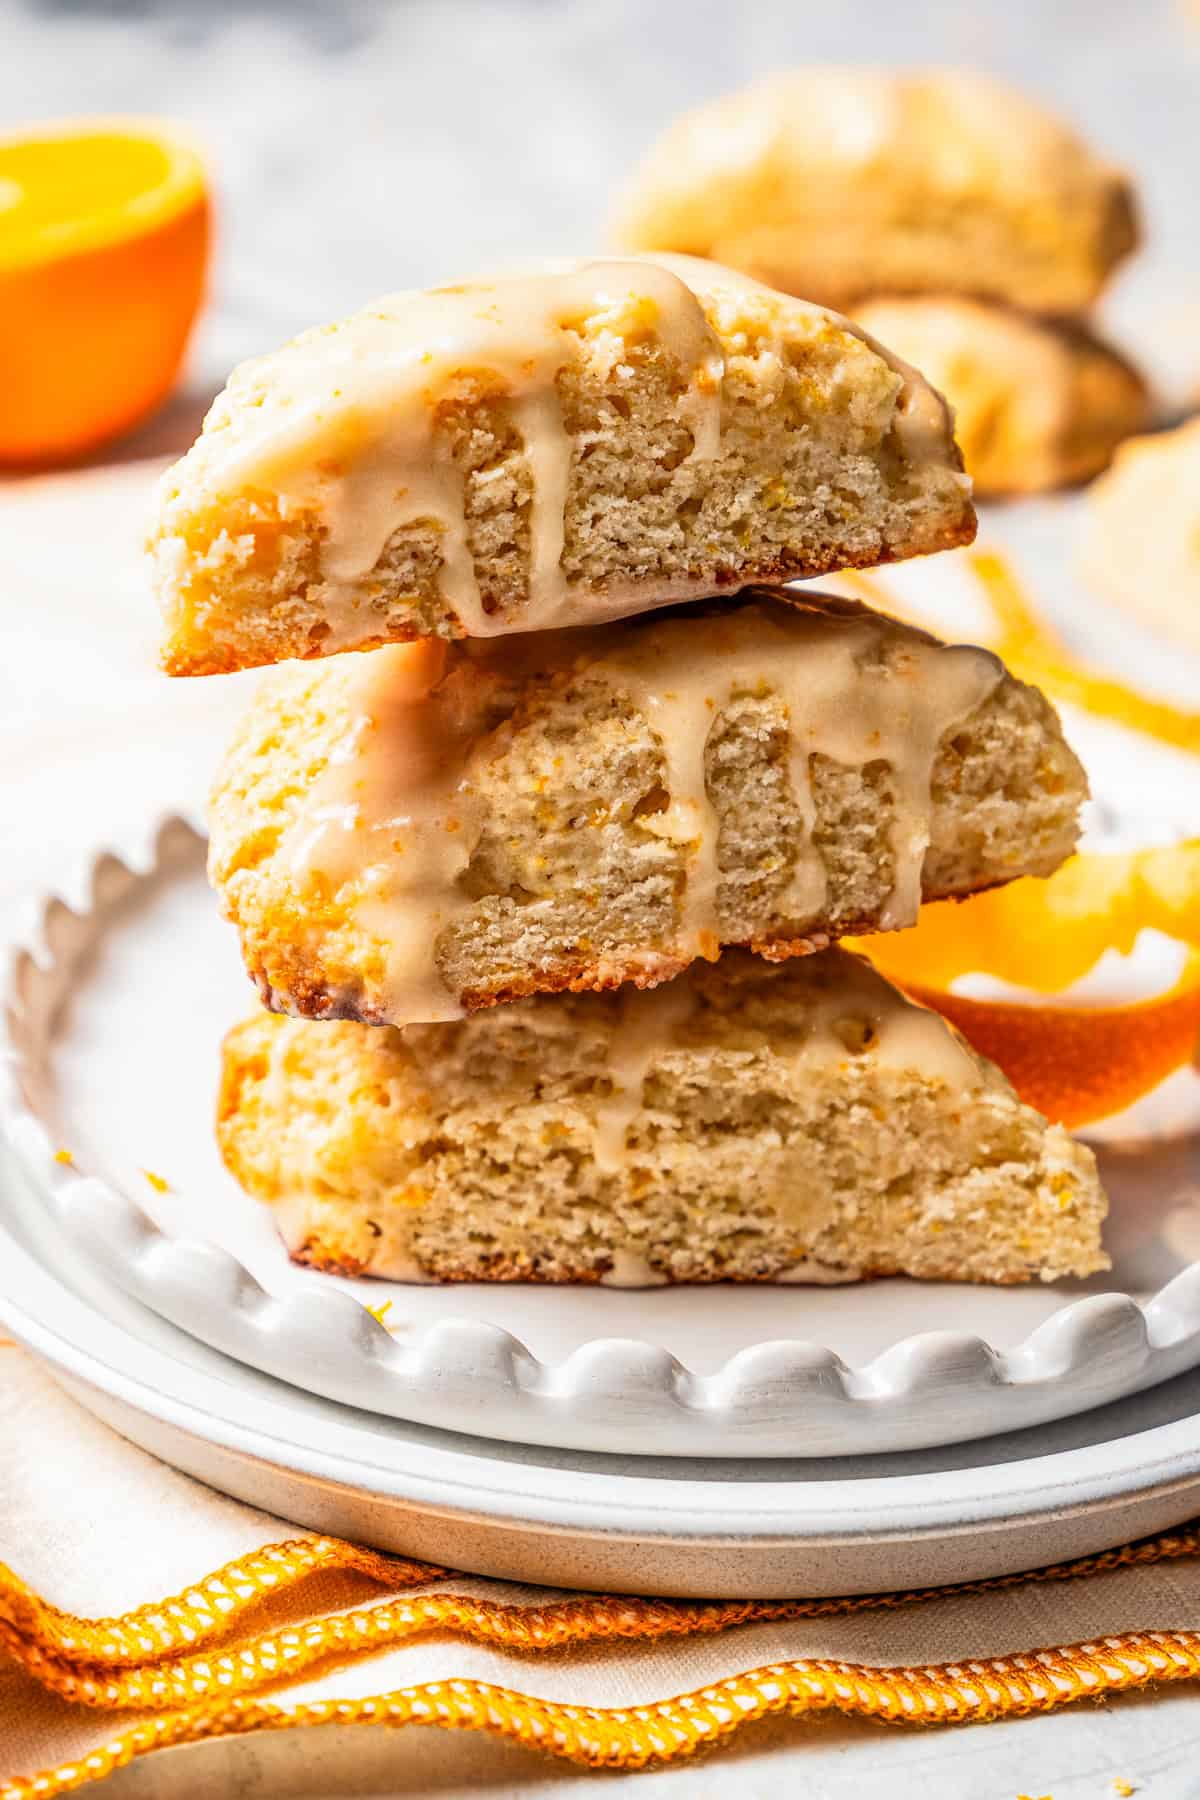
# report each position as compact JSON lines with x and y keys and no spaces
{"x":104,"y":236}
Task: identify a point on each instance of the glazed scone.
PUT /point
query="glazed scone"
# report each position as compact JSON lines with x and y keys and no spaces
{"x":543,"y":451}
{"x":424,"y":830}
{"x":1038,"y":403}
{"x":839,"y":183}
{"x":1142,"y":533}
{"x":749,"y":1121}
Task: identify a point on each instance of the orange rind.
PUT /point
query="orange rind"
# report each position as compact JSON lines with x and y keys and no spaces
{"x":104,"y":238}
{"x":1074,"y":1063}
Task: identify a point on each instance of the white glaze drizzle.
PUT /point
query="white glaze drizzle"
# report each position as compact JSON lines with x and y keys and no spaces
{"x":394,"y":811}
{"x":856,"y":1016}
{"x":643,"y":1034}
{"x":357,"y":443}
{"x":390,"y":813}
{"x":341,"y":424}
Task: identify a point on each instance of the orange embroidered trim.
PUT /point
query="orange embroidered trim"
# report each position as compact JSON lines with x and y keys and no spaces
{"x":205,"y":1611}
{"x":84,"y":1660}
{"x":668,"y":1730}
{"x":89,"y":1660}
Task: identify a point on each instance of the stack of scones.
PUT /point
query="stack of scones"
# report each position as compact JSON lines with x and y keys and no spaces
{"x":540,"y":844}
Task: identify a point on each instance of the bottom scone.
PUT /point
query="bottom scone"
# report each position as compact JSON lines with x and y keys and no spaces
{"x":748,"y":1121}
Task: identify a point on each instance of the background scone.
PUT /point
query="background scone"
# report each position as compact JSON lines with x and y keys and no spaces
{"x":402,"y":836}
{"x":543,"y":451}
{"x":1038,"y":403}
{"x":749,"y":1121}
{"x":837,"y":183}
{"x":1142,"y":532}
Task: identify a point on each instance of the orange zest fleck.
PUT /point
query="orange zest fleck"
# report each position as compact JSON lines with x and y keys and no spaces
{"x":64,"y":1156}
{"x":159,"y":1183}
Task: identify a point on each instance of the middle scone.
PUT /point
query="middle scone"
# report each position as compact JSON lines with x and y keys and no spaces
{"x":409,"y":835}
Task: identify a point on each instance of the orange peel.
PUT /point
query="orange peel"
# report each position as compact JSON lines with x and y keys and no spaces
{"x":104,"y":238}
{"x":1077,"y":1064}
{"x":1046,"y":934}
{"x":1035,"y":653}
{"x":1074,"y":1063}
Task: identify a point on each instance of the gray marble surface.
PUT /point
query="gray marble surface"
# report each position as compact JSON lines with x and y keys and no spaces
{"x":367,"y":146}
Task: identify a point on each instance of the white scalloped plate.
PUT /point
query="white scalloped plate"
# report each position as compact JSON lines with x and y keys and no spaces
{"x":118,"y":1003}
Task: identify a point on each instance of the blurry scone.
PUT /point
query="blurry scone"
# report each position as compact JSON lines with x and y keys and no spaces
{"x":1142,"y":532}
{"x":749,"y":1121}
{"x":543,"y":451}
{"x":836,"y":183}
{"x":1038,"y":403}
{"x":405,"y":835}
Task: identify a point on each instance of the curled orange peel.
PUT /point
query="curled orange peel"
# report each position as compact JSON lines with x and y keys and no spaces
{"x":1035,"y":653}
{"x":1077,"y":1064}
{"x":1074,"y":1063}
{"x":1047,"y":934}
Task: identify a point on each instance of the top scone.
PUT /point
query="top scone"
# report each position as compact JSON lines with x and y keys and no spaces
{"x":542,"y":451}
{"x":837,"y":183}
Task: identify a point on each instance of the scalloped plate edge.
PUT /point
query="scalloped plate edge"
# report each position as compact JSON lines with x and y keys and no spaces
{"x":782,"y":1398}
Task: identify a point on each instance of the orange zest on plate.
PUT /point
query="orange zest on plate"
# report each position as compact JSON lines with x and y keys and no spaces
{"x":104,"y":236}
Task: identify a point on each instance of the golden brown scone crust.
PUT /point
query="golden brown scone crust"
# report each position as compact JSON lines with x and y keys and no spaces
{"x":829,"y":454}
{"x":1038,"y":403}
{"x":841,"y":183}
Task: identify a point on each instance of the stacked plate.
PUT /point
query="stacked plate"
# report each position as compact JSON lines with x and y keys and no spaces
{"x":826,"y":1440}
